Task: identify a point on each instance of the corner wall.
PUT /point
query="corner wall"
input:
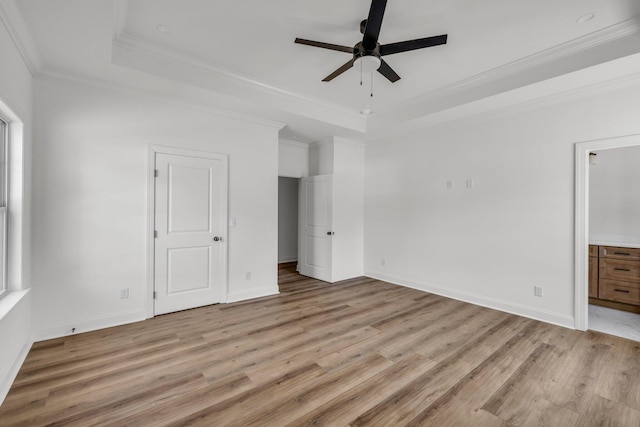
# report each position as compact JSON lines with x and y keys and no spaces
{"x":90,"y":221}
{"x":16,"y":94}
{"x":513,"y":230}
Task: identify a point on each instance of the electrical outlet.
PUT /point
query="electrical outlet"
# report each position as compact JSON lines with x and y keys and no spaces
{"x":449,"y":185}
{"x":383,"y":262}
{"x":248,"y":276}
{"x":469,"y":183}
{"x":537,"y":291}
{"x":124,"y":293}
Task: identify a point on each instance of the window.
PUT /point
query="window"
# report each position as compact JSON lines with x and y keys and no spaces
{"x":4,"y":137}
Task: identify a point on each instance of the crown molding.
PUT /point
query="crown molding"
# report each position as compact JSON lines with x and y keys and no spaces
{"x":296,"y":144}
{"x":575,"y":86}
{"x":12,"y":19}
{"x":349,"y":141}
{"x":529,"y":70}
{"x":132,"y":52}
{"x":108,"y":85}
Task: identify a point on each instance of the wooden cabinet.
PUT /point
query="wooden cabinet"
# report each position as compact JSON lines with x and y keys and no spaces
{"x":614,"y":277}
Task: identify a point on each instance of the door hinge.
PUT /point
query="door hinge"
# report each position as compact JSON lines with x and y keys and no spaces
{"x":155,"y":173}
{"x":155,"y":295}
{"x":155,"y":234}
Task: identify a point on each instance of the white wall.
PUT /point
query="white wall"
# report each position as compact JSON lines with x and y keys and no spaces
{"x":287,"y":219}
{"x":614,"y":193}
{"x":90,"y":221}
{"x":348,"y":209}
{"x":293,"y":159}
{"x":16,"y":103}
{"x":514,"y":229}
{"x":321,"y":157}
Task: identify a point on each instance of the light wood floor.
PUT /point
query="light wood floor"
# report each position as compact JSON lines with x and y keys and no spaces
{"x":360,"y":352}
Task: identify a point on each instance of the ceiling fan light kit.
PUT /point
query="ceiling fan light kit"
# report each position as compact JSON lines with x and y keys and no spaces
{"x":368,"y":64}
{"x":367,"y":54}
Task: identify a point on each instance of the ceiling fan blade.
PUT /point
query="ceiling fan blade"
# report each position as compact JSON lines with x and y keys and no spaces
{"x":374,"y":23}
{"x":325,"y":45}
{"x":339,"y":71}
{"x":388,"y":72}
{"x":390,"y":49}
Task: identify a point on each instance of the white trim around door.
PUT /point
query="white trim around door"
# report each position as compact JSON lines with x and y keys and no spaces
{"x":581,"y":247}
{"x":153,"y":150}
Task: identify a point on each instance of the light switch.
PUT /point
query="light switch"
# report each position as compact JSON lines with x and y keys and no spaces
{"x":469,"y":183}
{"x":232,"y":222}
{"x":449,"y":185}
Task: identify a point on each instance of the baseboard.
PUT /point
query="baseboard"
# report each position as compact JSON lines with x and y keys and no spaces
{"x":10,"y":375}
{"x":251,"y":293}
{"x":292,"y":258}
{"x":546,"y":316}
{"x":89,"y":324}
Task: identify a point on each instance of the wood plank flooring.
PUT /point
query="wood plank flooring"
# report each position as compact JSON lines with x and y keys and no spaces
{"x":361,"y":352}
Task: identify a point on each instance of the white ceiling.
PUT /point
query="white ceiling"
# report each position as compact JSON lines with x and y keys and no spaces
{"x":241,"y":52}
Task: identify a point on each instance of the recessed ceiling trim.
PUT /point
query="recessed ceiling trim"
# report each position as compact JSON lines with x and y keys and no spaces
{"x":531,"y":69}
{"x":127,"y":89}
{"x":131,"y":52}
{"x":13,"y":21}
{"x":600,"y":79}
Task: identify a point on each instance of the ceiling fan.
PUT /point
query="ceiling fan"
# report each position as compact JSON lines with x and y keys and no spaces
{"x":367,"y":54}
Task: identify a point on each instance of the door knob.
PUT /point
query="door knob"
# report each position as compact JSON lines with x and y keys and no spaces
{"x":330,"y":233}
{"x":217,"y":239}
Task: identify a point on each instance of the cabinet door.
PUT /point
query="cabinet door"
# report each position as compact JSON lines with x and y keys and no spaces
{"x":593,"y":277}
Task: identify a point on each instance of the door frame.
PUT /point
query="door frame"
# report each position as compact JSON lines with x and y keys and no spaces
{"x":151,"y":213}
{"x":581,"y":250}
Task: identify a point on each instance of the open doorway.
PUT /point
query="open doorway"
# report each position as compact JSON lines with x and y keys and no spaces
{"x":604,"y":231}
{"x":288,"y":220}
{"x":614,"y":239}
{"x":287,"y":230}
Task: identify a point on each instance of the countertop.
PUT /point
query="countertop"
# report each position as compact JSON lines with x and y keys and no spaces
{"x":621,"y":240}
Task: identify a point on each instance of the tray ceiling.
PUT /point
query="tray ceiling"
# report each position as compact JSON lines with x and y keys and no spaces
{"x":245,"y":50}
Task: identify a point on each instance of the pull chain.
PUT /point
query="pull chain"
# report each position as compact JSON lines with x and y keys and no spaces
{"x":371,"y":85}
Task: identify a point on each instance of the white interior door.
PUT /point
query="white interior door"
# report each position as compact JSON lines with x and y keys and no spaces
{"x":316,"y":220}
{"x":190,"y":224}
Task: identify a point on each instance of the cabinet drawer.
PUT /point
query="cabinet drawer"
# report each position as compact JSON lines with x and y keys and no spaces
{"x":619,"y":253}
{"x":621,"y":269}
{"x":619,"y":291}
{"x":593,"y":250}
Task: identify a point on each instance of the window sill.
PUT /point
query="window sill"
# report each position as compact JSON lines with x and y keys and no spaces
{"x":9,"y":300}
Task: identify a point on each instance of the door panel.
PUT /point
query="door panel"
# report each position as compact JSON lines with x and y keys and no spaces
{"x":316,"y":217}
{"x":189,"y":199}
{"x":190,"y":210}
{"x":188,"y":269}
